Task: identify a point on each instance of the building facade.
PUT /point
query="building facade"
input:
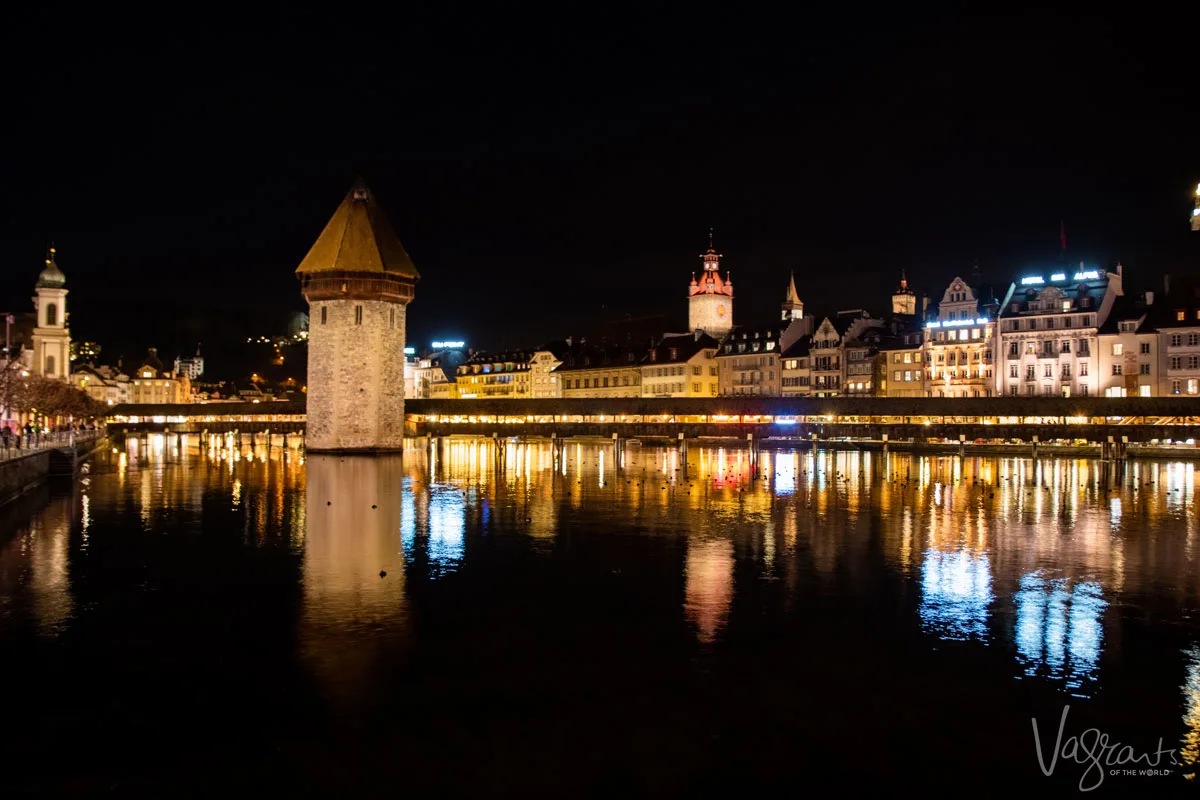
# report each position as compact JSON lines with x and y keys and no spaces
{"x":358,"y":280}
{"x":681,"y":366}
{"x":495,"y":375}
{"x":749,"y":360}
{"x":901,"y":365}
{"x":960,"y":351}
{"x":710,"y":299}
{"x":1049,"y":331}
{"x":51,"y":340}
{"x":1177,"y":319}
{"x":796,"y":372}
{"x":541,"y":368}
{"x":192,"y":367}
{"x":1128,"y":347}
{"x":600,"y":371}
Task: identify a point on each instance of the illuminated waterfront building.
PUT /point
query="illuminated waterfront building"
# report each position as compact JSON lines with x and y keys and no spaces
{"x":749,"y":359}
{"x":1177,"y":320}
{"x":710,"y":299}
{"x":841,"y":352}
{"x":599,"y":371}
{"x":51,"y":339}
{"x":900,"y":364}
{"x":796,"y":370}
{"x":495,"y":375}
{"x":85,"y":352}
{"x":541,"y":367}
{"x":1049,"y":329}
{"x":681,"y":366}
{"x":358,"y":280}
{"x":153,"y":383}
{"x":1129,"y":349}
{"x":960,"y":344}
{"x":102,"y":384}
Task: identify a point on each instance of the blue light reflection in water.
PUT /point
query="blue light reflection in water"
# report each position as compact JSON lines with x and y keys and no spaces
{"x":956,"y":589}
{"x":435,"y":534}
{"x":1058,"y":629}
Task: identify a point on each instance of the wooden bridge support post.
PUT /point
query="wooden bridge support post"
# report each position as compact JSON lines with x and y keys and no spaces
{"x":962,"y":445}
{"x":1035,"y":445}
{"x":885,"y":443}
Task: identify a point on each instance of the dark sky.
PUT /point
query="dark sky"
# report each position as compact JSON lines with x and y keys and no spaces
{"x":551,"y":169}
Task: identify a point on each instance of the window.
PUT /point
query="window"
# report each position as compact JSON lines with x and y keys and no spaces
{"x":625,"y":381}
{"x":696,"y":369}
{"x":1193,"y":362}
{"x":895,"y":358}
{"x":51,"y":315}
{"x":1083,"y":389}
{"x":606,"y":382}
{"x":1143,"y":369}
{"x":908,"y":358}
{"x":358,"y":315}
{"x":1048,"y":370}
{"x":1193,"y":339}
{"x":1030,"y":373}
{"x":1175,"y":387}
{"x":1083,"y":369}
{"x":1066,"y":345}
{"x":1180,"y":315}
{"x":1012,"y":371}
{"x":1066,"y":321}
{"x":1087,"y":322}
{"x":587,"y":383}
{"x":49,"y":365}
{"x":908,"y":376}
{"x":1193,"y":386}
{"x":712,"y":371}
{"x":1176,"y":340}
{"x":1174,"y":362}
{"x":1145,"y":348}
{"x":392,"y":318}
{"x":1118,"y":350}
{"x":1048,"y":389}
{"x":1066,"y":305}
{"x":1013,"y":349}
{"x":323,"y":310}
{"x":695,"y":388}
{"x":896,"y":375}
{"x":1066,"y":371}
{"x":974,"y":333}
{"x":1116,"y":369}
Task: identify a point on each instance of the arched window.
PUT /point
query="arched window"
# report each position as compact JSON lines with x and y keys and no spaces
{"x":50,"y":360}
{"x":51,"y":314}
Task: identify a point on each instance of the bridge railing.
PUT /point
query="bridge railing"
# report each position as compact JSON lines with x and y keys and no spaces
{"x":17,"y":446}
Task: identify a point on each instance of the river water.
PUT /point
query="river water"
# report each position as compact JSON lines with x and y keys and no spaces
{"x":179,"y":620}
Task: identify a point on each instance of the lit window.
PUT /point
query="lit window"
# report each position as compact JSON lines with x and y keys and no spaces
{"x":1117,"y":350}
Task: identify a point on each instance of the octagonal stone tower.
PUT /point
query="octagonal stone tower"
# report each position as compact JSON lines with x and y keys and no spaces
{"x":358,"y":281}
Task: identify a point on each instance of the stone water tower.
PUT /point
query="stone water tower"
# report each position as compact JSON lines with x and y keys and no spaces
{"x":358,"y":281}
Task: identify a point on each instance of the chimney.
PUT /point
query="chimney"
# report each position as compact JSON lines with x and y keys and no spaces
{"x":924,"y":304}
{"x":1149,"y":298}
{"x":697,"y":334}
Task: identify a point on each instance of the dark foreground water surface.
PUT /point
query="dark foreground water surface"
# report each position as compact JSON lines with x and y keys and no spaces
{"x":177,"y":621}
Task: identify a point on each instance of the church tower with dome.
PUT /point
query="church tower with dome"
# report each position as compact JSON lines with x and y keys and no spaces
{"x":710,"y":299}
{"x":51,"y":337}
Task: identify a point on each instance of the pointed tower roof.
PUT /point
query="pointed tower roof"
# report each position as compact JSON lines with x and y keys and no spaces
{"x":358,"y":238}
{"x":792,"y":295}
{"x":51,"y":277}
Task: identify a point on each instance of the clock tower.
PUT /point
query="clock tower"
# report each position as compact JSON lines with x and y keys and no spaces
{"x":710,"y":299}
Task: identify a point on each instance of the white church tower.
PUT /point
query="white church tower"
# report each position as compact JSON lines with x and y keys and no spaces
{"x":51,"y":337}
{"x":710,"y":300}
{"x":358,"y":281}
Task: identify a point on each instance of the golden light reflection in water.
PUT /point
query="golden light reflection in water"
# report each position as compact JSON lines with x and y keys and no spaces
{"x":709,"y":586}
{"x":1190,"y":750}
{"x":352,"y":612}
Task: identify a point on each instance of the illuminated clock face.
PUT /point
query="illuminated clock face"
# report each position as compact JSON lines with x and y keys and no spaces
{"x":721,"y":310}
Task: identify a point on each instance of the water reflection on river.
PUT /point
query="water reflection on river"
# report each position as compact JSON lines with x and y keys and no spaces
{"x":667,"y":623}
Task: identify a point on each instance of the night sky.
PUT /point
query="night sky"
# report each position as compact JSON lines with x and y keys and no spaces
{"x":551,"y":170}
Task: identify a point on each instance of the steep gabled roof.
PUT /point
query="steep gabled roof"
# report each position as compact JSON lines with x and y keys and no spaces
{"x":358,"y":238}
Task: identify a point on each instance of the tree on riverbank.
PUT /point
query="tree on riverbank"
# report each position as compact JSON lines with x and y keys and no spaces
{"x":46,"y":398}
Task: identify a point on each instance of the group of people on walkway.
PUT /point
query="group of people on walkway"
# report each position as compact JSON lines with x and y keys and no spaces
{"x":17,"y":437}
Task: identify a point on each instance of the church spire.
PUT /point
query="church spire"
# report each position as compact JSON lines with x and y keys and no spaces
{"x":792,"y":308}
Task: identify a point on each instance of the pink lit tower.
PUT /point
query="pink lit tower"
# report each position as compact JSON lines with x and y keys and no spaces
{"x":710,"y":300}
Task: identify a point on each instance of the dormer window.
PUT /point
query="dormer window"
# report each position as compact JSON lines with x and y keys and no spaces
{"x":1180,"y":315}
{"x":673,"y":354}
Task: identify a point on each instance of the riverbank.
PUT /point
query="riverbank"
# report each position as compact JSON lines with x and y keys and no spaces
{"x":21,"y":473}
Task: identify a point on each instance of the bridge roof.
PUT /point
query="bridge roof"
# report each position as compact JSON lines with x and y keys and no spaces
{"x":205,"y":409}
{"x":836,"y":406}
